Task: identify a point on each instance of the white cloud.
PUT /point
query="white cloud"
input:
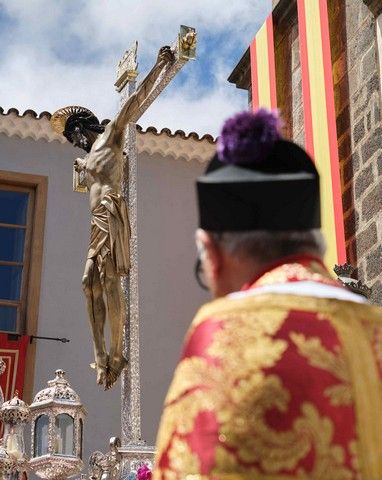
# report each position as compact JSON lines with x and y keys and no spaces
{"x":150,"y":21}
{"x":185,"y":109}
{"x":63,"y":52}
{"x":203,"y":116}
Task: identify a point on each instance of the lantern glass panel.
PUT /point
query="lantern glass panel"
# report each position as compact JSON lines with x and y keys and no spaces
{"x":64,"y":444}
{"x":81,"y":436}
{"x":41,"y":436}
{"x":14,"y":440}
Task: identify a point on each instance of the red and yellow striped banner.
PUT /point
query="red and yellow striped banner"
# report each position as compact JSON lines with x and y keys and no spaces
{"x":320,"y":120}
{"x":263,"y":75}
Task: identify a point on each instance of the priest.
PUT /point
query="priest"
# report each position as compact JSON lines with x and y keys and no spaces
{"x":281,"y":374}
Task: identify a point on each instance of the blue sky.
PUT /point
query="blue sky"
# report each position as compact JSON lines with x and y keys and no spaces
{"x":61,"y":52}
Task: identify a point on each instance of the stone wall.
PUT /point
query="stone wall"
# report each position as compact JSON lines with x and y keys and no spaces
{"x":283,"y":61}
{"x":358,"y":104}
{"x":288,"y":71}
{"x":288,"y":74}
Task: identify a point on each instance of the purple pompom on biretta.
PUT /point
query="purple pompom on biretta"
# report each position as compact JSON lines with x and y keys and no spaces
{"x":247,"y":137}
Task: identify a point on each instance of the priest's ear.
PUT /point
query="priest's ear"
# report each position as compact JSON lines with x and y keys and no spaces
{"x":210,"y":256}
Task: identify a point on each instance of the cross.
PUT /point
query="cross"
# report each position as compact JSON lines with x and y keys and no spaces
{"x":184,"y":50}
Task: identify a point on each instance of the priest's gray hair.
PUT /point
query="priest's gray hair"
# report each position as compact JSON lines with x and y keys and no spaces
{"x":267,"y":246}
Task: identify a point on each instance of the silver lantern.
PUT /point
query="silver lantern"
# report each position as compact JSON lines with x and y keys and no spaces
{"x":57,"y":430}
{"x":15,"y":414}
{"x":8,"y":464}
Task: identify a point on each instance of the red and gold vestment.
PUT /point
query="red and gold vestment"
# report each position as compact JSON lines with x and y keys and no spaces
{"x":280,"y":381}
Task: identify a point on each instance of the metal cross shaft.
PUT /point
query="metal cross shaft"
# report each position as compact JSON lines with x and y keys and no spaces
{"x":183,"y":50}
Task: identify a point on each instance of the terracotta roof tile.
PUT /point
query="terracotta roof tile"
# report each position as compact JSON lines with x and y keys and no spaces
{"x":152,"y":141}
{"x":164,"y":131}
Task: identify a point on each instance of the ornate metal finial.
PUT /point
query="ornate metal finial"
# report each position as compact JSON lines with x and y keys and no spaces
{"x":187,"y":42}
{"x":60,"y":373}
{"x":59,"y":378}
{"x":346,"y":270}
{"x":344,"y":273}
{"x":127,"y":69}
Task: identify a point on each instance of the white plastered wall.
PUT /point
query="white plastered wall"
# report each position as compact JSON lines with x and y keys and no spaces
{"x":169,"y":296}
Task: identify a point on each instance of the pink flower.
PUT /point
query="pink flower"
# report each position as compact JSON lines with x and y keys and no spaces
{"x":144,"y":473}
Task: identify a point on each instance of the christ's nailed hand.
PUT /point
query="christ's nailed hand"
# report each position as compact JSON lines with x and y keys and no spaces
{"x":79,"y":164}
{"x":166,"y":55}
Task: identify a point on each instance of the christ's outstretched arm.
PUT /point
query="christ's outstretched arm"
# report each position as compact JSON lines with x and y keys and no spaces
{"x":134,"y":102}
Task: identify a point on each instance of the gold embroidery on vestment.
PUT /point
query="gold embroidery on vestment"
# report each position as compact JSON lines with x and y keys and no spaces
{"x":374,"y":332}
{"x":288,"y":271}
{"x":176,"y":420}
{"x":334,"y":363}
{"x":355,"y":460}
{"x":240,"y":394}
{"x":366,"y":383}
{"x":182,"y":459}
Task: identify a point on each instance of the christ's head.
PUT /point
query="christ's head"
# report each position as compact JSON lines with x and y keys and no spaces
{"x":82,"y":129}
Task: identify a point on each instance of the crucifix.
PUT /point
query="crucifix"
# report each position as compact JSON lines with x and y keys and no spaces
{"x":109,"y":173}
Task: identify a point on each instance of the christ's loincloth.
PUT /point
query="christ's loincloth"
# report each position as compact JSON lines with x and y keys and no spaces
{"x":110,"y":234}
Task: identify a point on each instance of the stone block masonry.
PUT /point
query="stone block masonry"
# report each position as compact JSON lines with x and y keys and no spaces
{"x":362,"y":170}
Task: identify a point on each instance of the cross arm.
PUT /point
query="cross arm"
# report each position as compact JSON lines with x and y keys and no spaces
{"x":169,"y":62}
{"x":130,"y":111}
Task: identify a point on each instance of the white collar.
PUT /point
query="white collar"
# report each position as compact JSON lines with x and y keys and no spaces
{"x":303,"y":288}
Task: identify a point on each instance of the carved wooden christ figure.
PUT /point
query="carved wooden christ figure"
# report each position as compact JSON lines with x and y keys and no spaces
{"x":108,"y":255}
